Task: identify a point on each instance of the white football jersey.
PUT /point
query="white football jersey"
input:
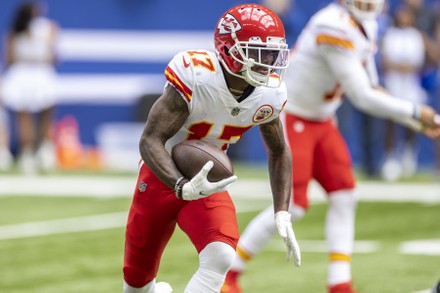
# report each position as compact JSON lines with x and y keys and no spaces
{"x":314,"y":91}
{"x":214,"y":113}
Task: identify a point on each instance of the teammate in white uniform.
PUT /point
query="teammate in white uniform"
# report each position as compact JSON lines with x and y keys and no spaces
{"x":333,"y":55}
{"x":28,"y":87}
{"x":214,"y":97}
{"x":403,"y":57}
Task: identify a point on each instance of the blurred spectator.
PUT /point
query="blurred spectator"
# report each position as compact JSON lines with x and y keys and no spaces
{"x":403,"y":56}
{"x":6,"y":159}
{"x":29,"y":84}
{"x":428,"y":22}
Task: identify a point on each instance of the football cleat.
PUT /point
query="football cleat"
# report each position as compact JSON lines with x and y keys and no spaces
{"x":231,"y":283}
{"x":436,"y":288}
{"x":341,"y":288}
{"x":163,"y":287}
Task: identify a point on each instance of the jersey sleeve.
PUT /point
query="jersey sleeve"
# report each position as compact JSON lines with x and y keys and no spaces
{"x":282,"y":100}
{"x":279,"y":96}
{"x":329,"y":38}
{"x":180,"y":74}
{"x":353,"y":76}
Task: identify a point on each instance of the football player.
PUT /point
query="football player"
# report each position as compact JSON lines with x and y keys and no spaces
{"x":215,"y":97}
{"x":333,"y":55}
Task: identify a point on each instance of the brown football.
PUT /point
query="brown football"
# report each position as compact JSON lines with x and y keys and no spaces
{"x":191,"y":155}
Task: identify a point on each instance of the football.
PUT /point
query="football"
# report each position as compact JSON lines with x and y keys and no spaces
{"x":191,"y":155}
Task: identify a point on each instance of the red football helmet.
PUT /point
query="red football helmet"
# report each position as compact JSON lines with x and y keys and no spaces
{"x":250,"y":43}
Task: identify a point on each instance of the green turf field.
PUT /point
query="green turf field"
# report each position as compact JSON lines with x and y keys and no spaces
{"x":90,"y":261}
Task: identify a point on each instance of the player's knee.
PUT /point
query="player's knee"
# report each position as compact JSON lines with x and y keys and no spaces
{"x":217,"y":257}
{"x":136,"y":278}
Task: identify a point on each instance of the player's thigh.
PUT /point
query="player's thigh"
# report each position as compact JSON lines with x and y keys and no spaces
{"x":151,"y":223}
{"x":333,"y":166}
{"x":210,"y":219}
{"x":301,"y":137}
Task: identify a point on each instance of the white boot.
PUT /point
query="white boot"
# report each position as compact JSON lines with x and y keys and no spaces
{"x":163,"y":287}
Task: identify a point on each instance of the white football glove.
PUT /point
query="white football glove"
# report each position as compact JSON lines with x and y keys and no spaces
{"x":284,"y":226}
{"x":199,"y":186}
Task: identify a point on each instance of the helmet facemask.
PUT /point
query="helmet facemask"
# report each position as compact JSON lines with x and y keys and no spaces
{"x":260,"y":60}
{"x":365,"y":9}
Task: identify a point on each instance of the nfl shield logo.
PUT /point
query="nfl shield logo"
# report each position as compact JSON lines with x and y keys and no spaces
{"x":235,"y":111}
{"x":142,"y":186}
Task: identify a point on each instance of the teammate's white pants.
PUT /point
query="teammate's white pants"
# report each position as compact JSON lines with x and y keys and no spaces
{"x":339,"y":230}
{"x":260,"y":232}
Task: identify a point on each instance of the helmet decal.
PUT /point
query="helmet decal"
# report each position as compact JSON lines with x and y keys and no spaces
{"x":225,"y":24}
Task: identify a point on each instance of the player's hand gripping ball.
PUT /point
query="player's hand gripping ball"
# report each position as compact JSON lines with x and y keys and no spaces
{"x":191,"y":155}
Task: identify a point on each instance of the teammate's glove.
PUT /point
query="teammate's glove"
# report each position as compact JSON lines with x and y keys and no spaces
{"x":284,"y":226}
{"x":199,"y":186}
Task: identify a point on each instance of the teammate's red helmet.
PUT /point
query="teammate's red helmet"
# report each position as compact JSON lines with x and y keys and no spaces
{"x":252,"y":36}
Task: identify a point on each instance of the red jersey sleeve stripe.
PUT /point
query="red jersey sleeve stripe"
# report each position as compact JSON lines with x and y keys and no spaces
{"x":172,"y":77}
{"x":334,"y":41}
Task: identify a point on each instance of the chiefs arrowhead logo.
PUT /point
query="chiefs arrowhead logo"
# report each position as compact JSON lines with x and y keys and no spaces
{"x":224,"y":25}
{"x":263,"y":113}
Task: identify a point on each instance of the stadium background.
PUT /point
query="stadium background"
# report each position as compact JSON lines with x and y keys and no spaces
{"x":112,"y":54}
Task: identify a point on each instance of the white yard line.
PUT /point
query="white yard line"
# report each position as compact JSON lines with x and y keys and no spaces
{"x":320,"y":246}
{"x":89,"y":186}
{"x":123,"y":186}
{"x":60,"y":226}
{"x":421,"y":246}
{"x":81,"y":224}
{"x":118,"y":220}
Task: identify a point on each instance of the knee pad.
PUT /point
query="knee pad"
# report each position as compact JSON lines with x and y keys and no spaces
{"x":217,"y":257}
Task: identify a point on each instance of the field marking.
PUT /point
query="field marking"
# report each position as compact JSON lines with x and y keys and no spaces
{"x":79,"y":224}
{"x":119,"y":219}
{"x":421,"y":246}
{"x":112,"y":186}
{"x":105,"y":187}
{"x":61,"y":226}
{"x":320,"y":246}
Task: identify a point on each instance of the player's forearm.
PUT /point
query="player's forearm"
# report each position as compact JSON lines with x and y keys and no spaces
{"x":378,"y":103}
{"x":358,"y":88}
{"x":158,"y":159}
{"x":280,"y":174}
